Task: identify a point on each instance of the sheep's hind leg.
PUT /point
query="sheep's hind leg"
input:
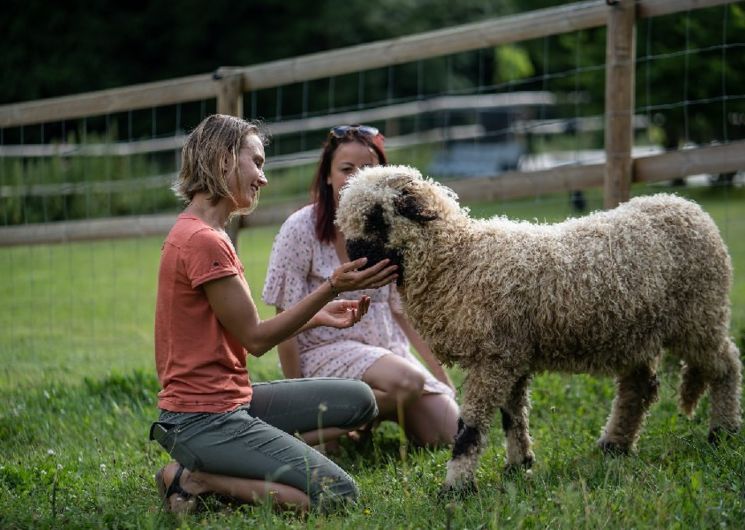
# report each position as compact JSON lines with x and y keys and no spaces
{"x":515,"y":425}
{"x":486,"y":390}
{"x":636,"y":391}
{"x":725,"y":390}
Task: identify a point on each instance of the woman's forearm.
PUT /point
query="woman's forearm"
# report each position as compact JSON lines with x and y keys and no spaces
{"x":289,"y":357}
{"x":288,"y":323}
{"x":232,"y":303}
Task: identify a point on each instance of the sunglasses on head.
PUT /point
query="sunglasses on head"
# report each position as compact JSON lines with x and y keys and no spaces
{"x":342,"y":131}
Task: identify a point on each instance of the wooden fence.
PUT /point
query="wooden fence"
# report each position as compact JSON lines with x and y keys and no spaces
{"x":227,"y":86}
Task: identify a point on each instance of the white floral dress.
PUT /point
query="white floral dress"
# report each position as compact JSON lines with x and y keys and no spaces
{"x":299,"y":263}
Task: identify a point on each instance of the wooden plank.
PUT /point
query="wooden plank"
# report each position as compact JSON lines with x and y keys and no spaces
{"x":230,"y":102}
{"x":504,"y":30}
{"x":443,"y":103}
{"x":57,"y":189}
{"x":147,"y":95}
{"x":123,"y":227}
{"x":620,"y":76}
{"x":87,"y":230}
{"x":714,"y":159}
{"x":153,"y":145}
{"x":414,"y":108}
{"x":229,"y":95}
{"x":515,"y":184}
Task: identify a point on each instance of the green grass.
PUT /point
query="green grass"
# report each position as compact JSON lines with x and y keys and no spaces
{"x":77,"y":389}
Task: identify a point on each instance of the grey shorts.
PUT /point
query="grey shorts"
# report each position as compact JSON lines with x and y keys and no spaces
{"x":257,"y":441}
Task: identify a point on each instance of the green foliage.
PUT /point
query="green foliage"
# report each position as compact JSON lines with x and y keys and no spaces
{"x":512,"y":63}
{"x":226,"y":34}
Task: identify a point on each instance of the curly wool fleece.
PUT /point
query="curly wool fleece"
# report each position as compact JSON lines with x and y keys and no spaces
{"x":603,"y":294}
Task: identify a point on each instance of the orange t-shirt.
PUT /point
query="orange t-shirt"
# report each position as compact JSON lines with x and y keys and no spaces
{"x":201,"y":366}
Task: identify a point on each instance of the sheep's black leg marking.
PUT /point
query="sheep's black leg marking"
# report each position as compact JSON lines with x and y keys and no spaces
{"x":486,"y":390}
{"x":466,"y":446}
{"x":506,"y":420}
{"x":466,"y":439}
{"x":636,"y":391}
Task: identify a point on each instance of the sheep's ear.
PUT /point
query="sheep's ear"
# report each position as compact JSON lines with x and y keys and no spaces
{"x":410,"y":207}
{"x":398,"y":182}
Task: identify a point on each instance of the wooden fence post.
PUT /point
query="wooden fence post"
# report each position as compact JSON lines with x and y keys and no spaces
{"x":620,"y":65}
{"x":230,"y":101}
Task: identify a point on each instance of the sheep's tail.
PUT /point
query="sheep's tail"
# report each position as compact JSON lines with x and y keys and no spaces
{"x":692,"y":386}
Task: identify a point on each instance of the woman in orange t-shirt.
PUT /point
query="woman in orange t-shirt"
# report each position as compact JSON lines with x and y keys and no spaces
{"x":227,"y":436}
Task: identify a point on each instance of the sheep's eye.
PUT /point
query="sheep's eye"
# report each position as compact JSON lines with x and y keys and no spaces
{"x":376,"y":223}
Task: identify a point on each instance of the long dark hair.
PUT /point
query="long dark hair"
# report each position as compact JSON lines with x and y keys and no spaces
{"x":321,"y":192}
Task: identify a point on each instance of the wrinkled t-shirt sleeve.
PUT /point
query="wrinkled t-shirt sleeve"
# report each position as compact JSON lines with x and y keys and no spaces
{"x":286,"y":280}
{"x":208,"y":256}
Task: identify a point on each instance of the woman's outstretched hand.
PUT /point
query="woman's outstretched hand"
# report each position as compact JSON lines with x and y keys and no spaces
{"x":348,"y":278}
{"x":342,"y":313}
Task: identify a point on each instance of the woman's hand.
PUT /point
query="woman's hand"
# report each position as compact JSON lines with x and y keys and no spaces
{"x":341,"y":313}
{"x":348,"y":278}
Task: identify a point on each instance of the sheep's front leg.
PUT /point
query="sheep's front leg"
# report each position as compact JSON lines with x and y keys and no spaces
{"x":515,"y":425}
{"x":486,"y":390}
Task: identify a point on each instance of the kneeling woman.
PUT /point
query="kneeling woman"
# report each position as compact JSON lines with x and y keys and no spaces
{"x":306,"y":250}
{"x":226,"y":435}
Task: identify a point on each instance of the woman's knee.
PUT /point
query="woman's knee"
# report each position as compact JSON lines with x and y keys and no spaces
{"x":359,"y":397}
{"x":408,"y":385}
{"x":432,"y":420}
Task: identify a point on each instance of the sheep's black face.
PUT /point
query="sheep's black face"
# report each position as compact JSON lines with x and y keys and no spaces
{"x":373,"y":246}
{"x":374,"y":252}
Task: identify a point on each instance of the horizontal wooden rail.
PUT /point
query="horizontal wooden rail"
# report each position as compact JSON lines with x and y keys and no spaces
{"x":313,"y":123}
{"x":136,"y":147}
{"x":57,"y":189}
{"x":656,"y":168}
{"x":415,"y":108}
{"x":666,"y":166}
{"x":493,"y":32}
{"x":143,"y":96}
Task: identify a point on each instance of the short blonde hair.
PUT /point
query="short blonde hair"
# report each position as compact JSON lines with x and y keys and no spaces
{"x":205,"y":155}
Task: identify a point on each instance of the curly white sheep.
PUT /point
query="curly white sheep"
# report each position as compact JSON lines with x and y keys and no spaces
{"x":601,"y":294}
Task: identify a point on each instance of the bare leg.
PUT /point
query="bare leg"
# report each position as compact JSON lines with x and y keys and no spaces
{"x":432,"y":420}
{"x":239,"y":454}
{"x":636,"y":391}
{"x":326,"y":441}
{"x":321,"y":437}
{"x":244,"y":490}
{"x":395,"y":383}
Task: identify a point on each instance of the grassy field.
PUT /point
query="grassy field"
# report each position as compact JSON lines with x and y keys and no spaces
{"x":77,"y":389}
